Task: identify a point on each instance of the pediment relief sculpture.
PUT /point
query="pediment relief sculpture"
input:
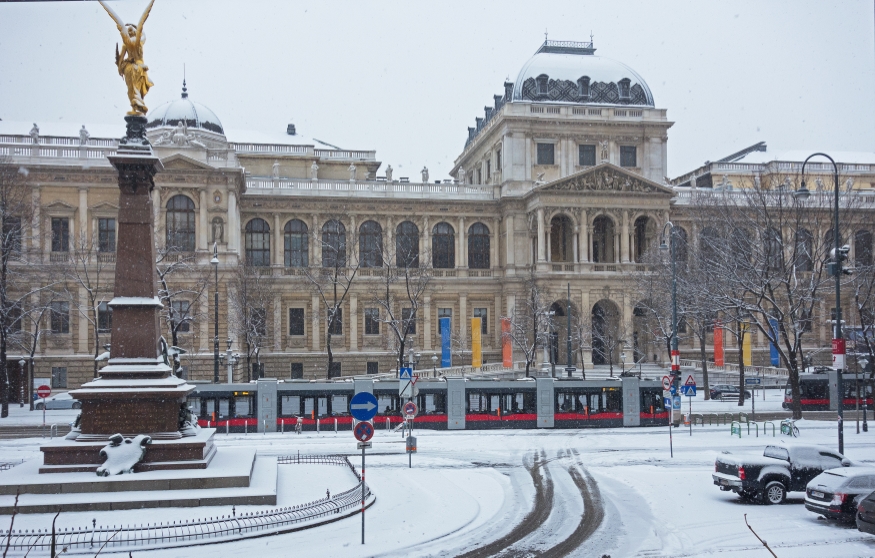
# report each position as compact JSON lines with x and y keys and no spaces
{"x":605,"y":179}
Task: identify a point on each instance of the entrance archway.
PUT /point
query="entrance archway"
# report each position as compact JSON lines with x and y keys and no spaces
{"x":558,"y":338}
{"x":606,"y":333}
{"x":561,"y":240}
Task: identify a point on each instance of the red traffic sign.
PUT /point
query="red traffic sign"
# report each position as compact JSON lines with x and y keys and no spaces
{"x":690,"y":381}
{"x":666,"y":383}
{"x":363,"y":431}
{"x":410,"y":409}
{"x":43,"y":391}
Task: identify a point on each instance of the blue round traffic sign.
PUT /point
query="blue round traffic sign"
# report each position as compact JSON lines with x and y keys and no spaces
{"x":363,"y":406}
{"x":363,"y":431}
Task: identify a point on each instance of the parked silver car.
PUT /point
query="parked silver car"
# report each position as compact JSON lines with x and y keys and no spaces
{"x":60,"y":401}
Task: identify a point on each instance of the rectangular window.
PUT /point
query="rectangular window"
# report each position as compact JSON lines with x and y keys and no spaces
{"x":482,"y":313}
{"x":586,"y":155}
{"x":545,"y":154}
{"x":444,"y":313}
{"x":291,"y":405}
{"x":407,"y":321}
{"x":372,"y":321}
{"x":498,"y":160}
{"x":296,"y":321}
{"x":336,"y":327}
{"x":373,"y":367}
{"x":258,"y":321}
{"x":106,"y":235}
{"x":59,"y":376}
{"x":180,"y":315}
{"x":297,"y":371}
{"x":336,"y":370}
{"x":12,"y":233}
{"x":488,"y":170}
{"x":104,"y":318}
{"x":60,"y":317}
{"x":60,"y":234}
{"x":628,"y":156}
{"x":14,"y":319}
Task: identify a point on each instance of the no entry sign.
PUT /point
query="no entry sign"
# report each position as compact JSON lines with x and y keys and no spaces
{"x":43,"y":391}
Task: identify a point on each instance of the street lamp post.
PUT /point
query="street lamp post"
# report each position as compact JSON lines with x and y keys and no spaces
{"x":568,"y":366}
{"x":675,"y":354}
{"x":838,"y":342}
{"x":215,"y":262}
{"x":434,"y":364}
{"x":23,"y":377}
{"x":232,"y":359}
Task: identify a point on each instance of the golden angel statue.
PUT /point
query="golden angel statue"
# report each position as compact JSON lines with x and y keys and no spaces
{"x":130,"y":59}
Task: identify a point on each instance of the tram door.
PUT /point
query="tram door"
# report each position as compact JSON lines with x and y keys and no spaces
{"x":308,"y":407}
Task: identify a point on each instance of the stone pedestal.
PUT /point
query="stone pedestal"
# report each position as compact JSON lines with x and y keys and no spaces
{"x":135,"y":393}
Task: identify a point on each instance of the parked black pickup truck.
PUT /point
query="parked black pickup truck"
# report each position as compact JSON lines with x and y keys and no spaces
{"x":782,"y":468}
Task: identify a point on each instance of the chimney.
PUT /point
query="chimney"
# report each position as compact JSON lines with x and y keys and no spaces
{"x":470,"y":133}
{"x":479,"y":123}
{"x":508,"y":91}
{"x":488,"y":112}
{"x":497,"y":99}
{"x":290,"y":129}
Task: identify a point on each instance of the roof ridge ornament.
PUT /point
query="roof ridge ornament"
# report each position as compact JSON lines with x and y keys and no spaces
{"x":567,"y":47}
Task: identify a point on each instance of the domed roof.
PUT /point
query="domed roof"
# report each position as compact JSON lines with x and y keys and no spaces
{"x":191,"y":113}
{"x":564,"y":71}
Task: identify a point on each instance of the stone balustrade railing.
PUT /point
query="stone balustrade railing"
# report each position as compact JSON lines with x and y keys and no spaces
{"x":363,"y":188}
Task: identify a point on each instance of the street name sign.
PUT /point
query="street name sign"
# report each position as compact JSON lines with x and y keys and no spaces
{"x":666,"y":383}
{"x":752,"y":381}
{"x":363,"y":406}
{"x":364,"y":445}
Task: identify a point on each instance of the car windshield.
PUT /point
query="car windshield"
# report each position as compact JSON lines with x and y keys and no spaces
{"x":828,"y":480}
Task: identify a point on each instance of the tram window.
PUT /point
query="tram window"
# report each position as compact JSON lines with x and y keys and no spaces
{"x":814,"y":390}
{"x":323,"y":406}
{"x":194,"y":403}
{"x":241,"y":406}
{"x":473,"y":402}
{"x":385,"y":403}
{"x":494,"y":403}
{"x":209,"y":406}
{"x":308,"y":406}
{"x":429,"y":403}
{"x":223,"y":407}
{"x":291,"y":405}
{"x":614,"y":400}
{"x":339,"y":405}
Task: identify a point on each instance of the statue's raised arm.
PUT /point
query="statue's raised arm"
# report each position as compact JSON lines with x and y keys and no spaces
{"x":130,"y":59}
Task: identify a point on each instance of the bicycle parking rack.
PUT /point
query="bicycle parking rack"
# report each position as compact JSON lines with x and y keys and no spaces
{"x":735,"y":428}
{"x":772,"y":424}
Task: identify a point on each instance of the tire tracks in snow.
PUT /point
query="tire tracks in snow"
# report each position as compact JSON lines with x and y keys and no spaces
{"x":532,"y":521}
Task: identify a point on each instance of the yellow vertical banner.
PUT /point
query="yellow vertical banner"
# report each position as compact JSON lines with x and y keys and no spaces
{"x":746,"y":355}
{"x":476,"y":346}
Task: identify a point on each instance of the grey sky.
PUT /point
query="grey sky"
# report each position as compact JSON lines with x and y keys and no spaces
{"x":407,"y":78}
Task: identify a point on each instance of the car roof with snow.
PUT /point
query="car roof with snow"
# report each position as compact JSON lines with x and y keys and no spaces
{"x":850,"y":472}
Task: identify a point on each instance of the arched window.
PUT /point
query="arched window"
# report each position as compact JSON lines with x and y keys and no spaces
{"x":679,"y":238}
{"x":624,"y":89}
{"x":180,"y":224}
{"x":443,"y":246}
{"x":803,"y":258}
{"x":709,"y":245}
{"x":863,"y":248}
{"x":645,"y":230}
{"x":773,"y":252}
{"x":333,"y":244}
{"x":371,"y":244}
{"x":603,"y":240}
{"x":258,"y":243}
{"x":478,"y":246}
{"x":407,"y":245}
{"x":542,"y":81}
{"x":583,"y":88}
{"x":297,"y":244}
{"x":561,"y":239}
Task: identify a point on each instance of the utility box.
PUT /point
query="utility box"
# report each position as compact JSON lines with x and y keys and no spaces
{"x":833,"y":376}
{"x":631,"y":402}
{"x":455,"y":403}
{"x":544,"y":387}
{"x":267,"y":404}
{"x":411,"y":444}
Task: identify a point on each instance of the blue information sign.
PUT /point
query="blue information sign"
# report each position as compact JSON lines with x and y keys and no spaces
{"x":363,"y":406}
{"x":689,"y":391}
{"x":676,"y":402}
{"x":667,"y":402}
{"x":673,"y":389}
{"x":405,"y":373}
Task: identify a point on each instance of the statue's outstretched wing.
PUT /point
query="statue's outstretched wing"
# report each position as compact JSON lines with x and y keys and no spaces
{"x":118,"y":21}
{"x":143,"y":19}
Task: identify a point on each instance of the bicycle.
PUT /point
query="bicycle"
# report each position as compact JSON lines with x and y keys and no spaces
{"x":788,"y":427}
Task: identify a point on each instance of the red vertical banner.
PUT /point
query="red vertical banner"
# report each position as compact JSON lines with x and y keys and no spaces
{"x":506,"y":349}
{"x":718,"y":344}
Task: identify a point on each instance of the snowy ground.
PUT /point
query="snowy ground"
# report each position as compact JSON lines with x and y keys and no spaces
{"x":467,"y":489}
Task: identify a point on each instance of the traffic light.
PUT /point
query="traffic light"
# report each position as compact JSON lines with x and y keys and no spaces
{"x":834,"y":267}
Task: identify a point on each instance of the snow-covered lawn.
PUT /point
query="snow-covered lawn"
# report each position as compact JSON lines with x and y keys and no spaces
{"x":469,"y":488}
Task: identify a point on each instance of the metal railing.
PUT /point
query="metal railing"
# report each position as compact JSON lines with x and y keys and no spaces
{"x":188,"y":532}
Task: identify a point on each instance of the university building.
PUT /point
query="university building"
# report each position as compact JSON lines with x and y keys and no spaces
{"x":561,"y":179}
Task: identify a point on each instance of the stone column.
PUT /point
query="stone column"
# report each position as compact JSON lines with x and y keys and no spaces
{"x":540,"y":218}
{"x":624,"y":239}
{"x":493,"y":244}
{"x":496,"y":319}
{"x":424,"y":235}
{"x":315,"y":311}
{"x":462,"y":250}
{"x":353,"y":322}
{"x":36,"y":224}
{"x":616,"y":248}
{"x":426,"y":323}
{"x":576,"y":258}
{"x":83,"y":231}
{"x":277,"y":323}
{"x":203,"y":222}
{"x":463,"y":320}
{"x":82,"y":345}
{"x":510,"y":242}
{"x":278,"y":248}
{"x":233,"y":223}
{"x":388,"y":236}
{"x":316,"y":235}
{"x":549,"y":243}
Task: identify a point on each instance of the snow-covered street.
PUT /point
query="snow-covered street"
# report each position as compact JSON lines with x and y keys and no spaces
{"x":474,"y":493}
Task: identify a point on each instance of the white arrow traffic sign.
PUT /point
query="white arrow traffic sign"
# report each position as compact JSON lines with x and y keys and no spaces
{"x":363,"y":406}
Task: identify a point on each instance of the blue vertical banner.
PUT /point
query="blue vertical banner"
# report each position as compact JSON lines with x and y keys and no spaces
{"x":773,"y":349}
{"x":446,"y":355}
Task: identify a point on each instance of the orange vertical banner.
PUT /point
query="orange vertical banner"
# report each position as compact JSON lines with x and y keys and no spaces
{"x":476,"y":344}
{"x":506,"y":349}
{"x":718,"y":344}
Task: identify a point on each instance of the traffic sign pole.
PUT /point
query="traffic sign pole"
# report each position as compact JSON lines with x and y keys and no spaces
{"x":363,"y":494}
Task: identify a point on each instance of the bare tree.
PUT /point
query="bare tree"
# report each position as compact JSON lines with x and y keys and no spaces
{"x":17,"y":211}
{"x":528,"y":320}
{"x":182,"y":287}
{"x":251,"y":302}
{"x":608,"y":333}
{"x":88,"y":279}
{"x":332,"y":278}
{"x":405,"y":279}
{"x":28,"y":336}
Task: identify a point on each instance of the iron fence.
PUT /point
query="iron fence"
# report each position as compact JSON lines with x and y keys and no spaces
{"x":183,"y":533}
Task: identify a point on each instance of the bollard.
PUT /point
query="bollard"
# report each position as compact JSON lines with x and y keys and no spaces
{"x":283,"y":423}
{"x":53,"y":431}
{"x":265,"y":427}
{"x":227,"y":428}
{"x":246,"y":426}
{"x":335,"y":426}
{"x":387,"y":423}
{"x":317,"y":425}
